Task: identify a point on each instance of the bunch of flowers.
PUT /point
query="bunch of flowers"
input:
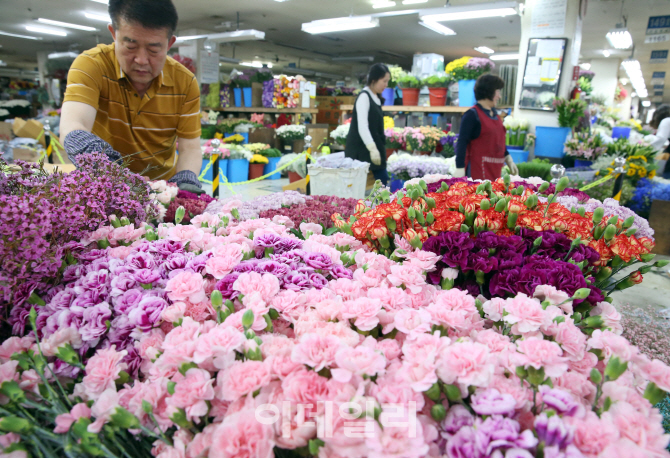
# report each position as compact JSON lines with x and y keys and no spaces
{"x":389,"y":123}
{"x":316,"y":210}
{"x":259,"y":159}
{"x":271,"y":345}
{"x":257,"y":148}
{"x":241,"y":80}
{"x":208,"y":150}
{"x":42,"y":217}
{"x":636,"y":168}
{"x":269,"y":93}
{"x":239,"y":152}
{"x":585,"y":85}
{"x":395,"y":138}
{"x":469,"y":68}
{"x":235,"y":139}
{"x":624,"y":147}
{"x":647,"y":191}
{"x":290,"y":133}
{"x":424,"y":138}
{"x":448,"y":143}
{"x":406,"y":166}
{"x":517,"y":129}
{"x":569,"y":111}
{"x":585,"y":146}
{"x":251,"y":209}
{"x":506,"y":209}
{"x":286,"y":92}
{"x":340,"y":133}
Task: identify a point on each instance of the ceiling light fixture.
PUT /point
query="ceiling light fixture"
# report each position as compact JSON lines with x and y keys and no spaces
{"x":340,"y":24}
{"x":302,"y":71}
{"x":484,"y":50}
{"x":61,"y":55}
{"x":106,"y":2}
{"x":255,"y":64}
{"x":585,"y":66}
{"x":229,"y":60}
{"x":353,"y":59}
{"x":458,"y":13}
{"x":30,"y":28}
{"x":383,"y":4}
{"x":634,"y":72}
{"x":413,"y":2}
{"x":504,"y":57}
{"x":606,"y":53}
{"x":646,"y":103}
{"x":620,"y":37}
{"x":67,"y":25}
{"x":15,"y":35}
{"x":228,"y":37}
{"x":437,"y":27}
{"x":98,"y":17}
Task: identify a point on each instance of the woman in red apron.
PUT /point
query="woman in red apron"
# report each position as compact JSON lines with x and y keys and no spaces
{"x":481,"y":150}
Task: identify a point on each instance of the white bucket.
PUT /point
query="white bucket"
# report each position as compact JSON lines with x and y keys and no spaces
{"x":338,"y":182}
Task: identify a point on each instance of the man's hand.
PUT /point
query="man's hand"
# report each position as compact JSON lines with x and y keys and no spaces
{"x":513,"y":169}
{"x":79,"y":142}
{"x":375,"y":157}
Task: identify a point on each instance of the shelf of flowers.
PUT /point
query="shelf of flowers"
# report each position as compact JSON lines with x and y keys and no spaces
{"x":479,"y":314}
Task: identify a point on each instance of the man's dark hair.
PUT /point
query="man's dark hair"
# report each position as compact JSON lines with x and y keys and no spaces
{"x":151,"y":14}
{"x":377,"y":72}
{"x":660,"y":114}
{"x":486,"y":86}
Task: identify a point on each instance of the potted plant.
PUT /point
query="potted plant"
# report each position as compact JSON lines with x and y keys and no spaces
{"x":256,"y":165}
{"x":257,"y":81}
{"x":437,"y":89}
{"x":466,"y":70}
{"x":340,"y":134}
{"x":410,"y":86}
{"x":238,"y":164}
{"x":273,"y":156}
{"x":585,"y":148}
{"x":292,"y":136}
{"x":551,"y":140}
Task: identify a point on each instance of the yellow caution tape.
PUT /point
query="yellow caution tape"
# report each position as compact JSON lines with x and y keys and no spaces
{"x":597,"y":182}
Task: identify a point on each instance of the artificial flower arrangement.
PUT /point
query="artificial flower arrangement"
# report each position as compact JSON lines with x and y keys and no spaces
{"x":469,"y":68}
{"x":340,"y":133}
{"x":585,"y":146}
{"x":204,"y":329}
{"x":517,"y":129}
{"x":257,"y":148}
{"x":291,"y":132}
{"x":258,"y":159}
{"x":405,"y":166}
{"x":569,"y":111}
{"x":208,"y":150}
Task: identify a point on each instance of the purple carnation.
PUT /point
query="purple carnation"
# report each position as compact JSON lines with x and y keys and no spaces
{"x":225,"y":286}
{"x":339,"y":271}
{"x":296,"y":281}
{"x":503,"y":283}
{"x":140,"y":260}
{"x":319,"y":261}
{"x":559,"y":400}
{"x":454,"y":247}
{"x":127,"y":301}
{"x":148,"y":312}
{"x":145,"y":276}
{"x":492,"y":402}
{"x":94,"y":323}
{"x":317,"y":280}
{"x":166,"y":247}
{"x":553,"y":431}
{"x":197,"y":263}
{"x":272,"y":267}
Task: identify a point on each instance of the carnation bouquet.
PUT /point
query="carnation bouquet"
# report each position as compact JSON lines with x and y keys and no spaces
{"x":585,"y":146}
{"x":339,"y":134}
{"x":290,"y":133}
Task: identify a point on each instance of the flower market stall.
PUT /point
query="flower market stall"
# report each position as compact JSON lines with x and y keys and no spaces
{"x":454,"y":318}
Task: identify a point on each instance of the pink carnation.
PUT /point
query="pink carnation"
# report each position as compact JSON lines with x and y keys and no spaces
{"x":412,"y":322}
{"x":540,"y":353}
{"x":612,"y":345}
{"x":571,"y":339}
{"x":362,"y":360}
{"x":656,"y":371}
{"x":186,"y":285}
{"x":525,"y":313}
{"x":192,"y":392}
{"x":102,"y":370}
{"x":466,"y":363}
{"x":408,"y":276}
{"x":423,"y":260}
{"x":242,"y":378}
{"x":610,"y":315}
{"x":316,"y":351}
{"x":241,"y":435}
{"x":266,"y":285}
{"x":364,"y":311}
{"x":65,"y":420}
{"x":554,"y":297}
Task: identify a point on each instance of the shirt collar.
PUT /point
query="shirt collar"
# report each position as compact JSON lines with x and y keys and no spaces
{"x":374,"y":96}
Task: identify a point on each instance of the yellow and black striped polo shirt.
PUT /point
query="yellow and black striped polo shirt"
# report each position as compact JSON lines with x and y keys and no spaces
{"x":144,"y":129}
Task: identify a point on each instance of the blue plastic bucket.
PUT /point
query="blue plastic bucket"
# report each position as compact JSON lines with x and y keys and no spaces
{"x":581,"y":163}
{"x":208,"y":175}
{"x":397,"y":185}
{"x":620,"y":132}
{"x":466,"y":93}
{"x":245,"y":135}
{"x":237,"y":95}
{"x":388,"y":95}
{"x":270,"y":167}
{"x":518,"y":154}
{"x":550,"y":141}
{"x":238,"y":170}
{"x":247,"y":96}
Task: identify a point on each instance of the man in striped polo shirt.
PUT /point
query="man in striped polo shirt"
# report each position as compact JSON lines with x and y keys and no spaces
{"x":131,"y":101}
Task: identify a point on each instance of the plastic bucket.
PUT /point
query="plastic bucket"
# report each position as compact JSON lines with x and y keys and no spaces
{"x":466,"y":93}
{"x":271,"y":167}
{"x":293,"y":177}
{"x":438,"y":96}
{"x":518,"y":154}
{"x":410,"y":97}
{"x":396,"y":185}
{"x":247,"y":96}
{"x":238,"y":170}
{"x":208,"y":175}
{"x":620,"y":132}
{"x":237,"y":95}
{"x":581,"y":163}
{"x":550,"y":141}
{"x":388,"y":95}
{"x":255,"y":170}
{"x":338,"y":182}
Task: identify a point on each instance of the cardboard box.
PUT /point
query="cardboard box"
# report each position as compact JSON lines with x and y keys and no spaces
{"x":318,"y":132}
{"x":300,"y":186}
{"x":659,"y":220}
{"x":29,"y":129}
{"x":25,"y":154}
{"x":6,"y":131}
{"x":67,"y":168}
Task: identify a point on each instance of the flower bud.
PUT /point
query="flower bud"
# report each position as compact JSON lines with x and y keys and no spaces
{"x":615,"y":367}
{"x":444,"y":187}
{"x":662,"y":263}
{"x":485,"y":204}
{"x":217,"y":299}
{"x":581,"y":293}
{"x":124,"y":221}
{"x":562,"y":184}
{"x":610,"y":232}
{"x":630,"y":232}
{"x":614,"y":220}
{"x":453,"y":393}
{"x":13,"y":391}
{"x":604,"y":273}
{"x":501,"y":205}
{"x":249,"y":334}
{"x":248,"y":319}
{"x":645,"y":269}
{"x":430,"y":202}
{"x":544,"y":186}
{"x":653,"y":393}
{"x":114,"y":221}
{"x":104,"y":243}
{"x":647,"y":257}
{"x":179,"y":214}
{"x":124,"y":419}
{"x":430,"y":219}
{"x":511,"y":220}
{"x":465,"y":228}
{"x":581,"y":211}
{"x":596,"y":376}
{"x":235,"y":213}
{"x":423,"y":185}
{"x":14,"y":424}
{"x":598,"y":215}
{"x":433,"y":392}
{"x":67,"y":354}
{"x":438,"y":412}
{"x":628,"y":222}
{"x":506,"y":179}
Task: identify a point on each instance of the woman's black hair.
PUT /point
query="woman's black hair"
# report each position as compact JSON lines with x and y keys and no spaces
{"x":377,"y":72}
{"x":486,"y":86}
{"x":660,"y":114}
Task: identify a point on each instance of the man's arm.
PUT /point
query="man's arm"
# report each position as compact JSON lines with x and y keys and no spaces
{"x":76,"y":116}
{"x":77,"y":119}
{"x":190,"y":156}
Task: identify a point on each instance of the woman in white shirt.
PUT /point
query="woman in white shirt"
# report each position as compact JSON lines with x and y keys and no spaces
{"x":661,"y":122}
{"x":366,"y":141}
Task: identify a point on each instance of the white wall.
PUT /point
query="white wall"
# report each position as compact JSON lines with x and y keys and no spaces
{"x":605,"y":81}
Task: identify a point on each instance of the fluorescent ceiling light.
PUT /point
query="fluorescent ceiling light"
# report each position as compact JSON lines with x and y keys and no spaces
{"x":504,"y":57}
{"x":413,"y":2}
{"x":458,"y":13}
{"x":238,"y":35}
{"x":340,"y":24}
{"x":620,"y":38}
{"x":106,"y":2}
{"x":484,"y":50}
{"x":377,"y":5}
{"x":67,"y":25}
{"x":229,"y":60}
{"x":646,"y":103}
{"x":42,"y":30}
{"x":634,"y":72}
{"x":255,"y":64}
{"x":98,"y":16}
{"x":585,"y":66}
{"x":27,"y":37}
{"x":606,"y":53}
{"x":354,"y":59}
{"x":60,"y":55}
{"x":437,"y":27}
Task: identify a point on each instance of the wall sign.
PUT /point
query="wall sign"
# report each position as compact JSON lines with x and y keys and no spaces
{"x":659,"y":57}
{"x":548,"y":18}
{"x":209,"y":67}
{"x":658,"y":29}
{"x":542,"y":74}
{"x":658,"y":78}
